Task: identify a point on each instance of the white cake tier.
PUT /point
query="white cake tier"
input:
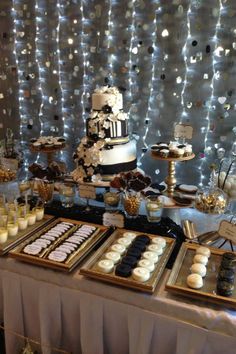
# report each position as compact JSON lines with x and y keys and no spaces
{"x":99,"y":100}
{"x":120,"y":158}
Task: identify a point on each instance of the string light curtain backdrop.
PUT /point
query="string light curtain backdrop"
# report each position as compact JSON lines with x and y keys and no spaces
{"x":173,"y":59}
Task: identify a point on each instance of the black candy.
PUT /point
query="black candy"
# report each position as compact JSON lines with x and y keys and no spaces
{"x":123,"y":270}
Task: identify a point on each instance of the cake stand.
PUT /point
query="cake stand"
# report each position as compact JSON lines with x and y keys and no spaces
{"x":173,"y":211}
{"x":50,"y":152}
{"x":171,"y":178}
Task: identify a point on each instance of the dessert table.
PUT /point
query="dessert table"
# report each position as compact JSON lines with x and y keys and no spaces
{"x":79,"y":315}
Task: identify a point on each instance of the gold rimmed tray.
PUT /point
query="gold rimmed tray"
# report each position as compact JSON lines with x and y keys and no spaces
{"x":90,"y":269}
{"x":24,"y":234}
{"x":73,"y":259}
{"x":177,"y":282}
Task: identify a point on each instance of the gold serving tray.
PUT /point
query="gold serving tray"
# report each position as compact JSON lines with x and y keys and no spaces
{"x":72,"y":261}
{"x":90,"y":269}
{"x":22,"y":235}
{"x":157,"y":157}
{"x":177,"y":281}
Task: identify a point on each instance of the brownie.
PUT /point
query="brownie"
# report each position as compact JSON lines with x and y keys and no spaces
{"x":130,"y":260}
{"x":123,"y":270}
{"x":224,"y":288}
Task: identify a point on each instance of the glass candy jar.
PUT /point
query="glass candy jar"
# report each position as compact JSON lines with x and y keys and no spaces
{"x":211,"y":200}
{"x":226,"y":176}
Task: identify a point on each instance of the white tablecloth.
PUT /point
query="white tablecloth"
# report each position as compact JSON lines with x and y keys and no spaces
{"x":79,"y":315}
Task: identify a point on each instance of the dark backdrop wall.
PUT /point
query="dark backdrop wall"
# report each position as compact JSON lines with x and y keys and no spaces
{"x":175,"y":59}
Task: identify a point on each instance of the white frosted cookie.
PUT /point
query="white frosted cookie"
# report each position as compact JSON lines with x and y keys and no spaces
{"x":48,"y":237}
{"x":140,"y":274}
{"x":130,"y":235}
{"x":32,"y":249}
{"x":118,"y":248}
{"x":155,"y":248}
{"x":105,"y":265}
{"x":146,"y":263}
{"x":188,"y":188}
{"x":203,"y":251}
{"x":57,"y":256}
{"x":113,"y":256}
{"x":71,"y":245}
{"x":198,"y":268}
{"x":199,"y":258}
{"x":124,"y":241}
{"x":64,"y":249}
{"x":194,"y":281}
{"x":151,"y":256}
{"x":159,"y":241}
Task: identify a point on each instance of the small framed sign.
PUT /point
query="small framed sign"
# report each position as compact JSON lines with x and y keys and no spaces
{"x":113,"y":219}
{"x":183,"y":131}
{"x":227,"y":230}
{"x":86,"y":191}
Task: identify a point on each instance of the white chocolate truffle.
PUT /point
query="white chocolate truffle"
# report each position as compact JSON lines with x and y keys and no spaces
{"x":118,"y":248}
{"x":113,"y":256}
{"x":198,"y":268}
{"x":203,"y":251}
{"x":194,"y":281}
{"x":141,"y":274}
{"x":105,"y":265}
{"x":159,"y":241}
{"x":124,"y":241}
{"x":146,"y":263}
{"x":199,"y":258}
{"x":151,"y":256}
{"x":130,"y":235}
{"x":155,"y":248}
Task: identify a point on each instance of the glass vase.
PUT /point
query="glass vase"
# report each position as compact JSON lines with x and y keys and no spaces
{"x":131,"y":202}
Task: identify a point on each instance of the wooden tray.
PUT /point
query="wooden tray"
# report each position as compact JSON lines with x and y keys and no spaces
{"x":24,"y":234}
{"x":90,"y":269}
{"x":72,"y":261}
{"x":177,"y":280}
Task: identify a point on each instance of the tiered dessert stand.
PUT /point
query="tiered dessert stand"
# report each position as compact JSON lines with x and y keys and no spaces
{"x":49,"y":152}
{"x":170,"y":180}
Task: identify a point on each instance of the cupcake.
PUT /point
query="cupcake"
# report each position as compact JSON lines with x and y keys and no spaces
{"x":180,"y":152}
{"x":188,"y":150}
{"x":164,"y":153}
{"x":173,"y":151}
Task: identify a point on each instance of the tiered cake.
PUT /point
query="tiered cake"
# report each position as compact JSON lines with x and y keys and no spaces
{"x":106,"y":149}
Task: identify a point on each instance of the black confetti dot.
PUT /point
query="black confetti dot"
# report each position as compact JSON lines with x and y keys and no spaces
{"x":150,"y":50}
{"x":144,"y":149}
{"x":163,"y":76}
{"x":56,"y":117}
{"x":208,"y":48}
{"x":194,"y":43}
{"x":29,"y":126}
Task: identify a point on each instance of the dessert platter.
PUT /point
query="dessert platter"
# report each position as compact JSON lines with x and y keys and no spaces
{"x":14,"y":236}
{"x":48,"y":145}
{"x":107,"y":148}
{"x":131,"y":259}
{"x":204,"y":273}
{"x":61,"y":245}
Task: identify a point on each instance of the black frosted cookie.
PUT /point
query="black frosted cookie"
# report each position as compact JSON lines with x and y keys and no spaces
{"x":131,"y":261}
{"x":224,"y":288}
{"x":143,"y":238}
{"x":229,"y":256}
{"x":134,"y":252}
{"x":123,"y":270}
{"x":140,"y":245}
{"x":227,"y":264}
{"x":226,"y":275}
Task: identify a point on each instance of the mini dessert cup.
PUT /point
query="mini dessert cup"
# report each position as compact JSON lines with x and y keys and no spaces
{"x":39,"y":212}
{"x":3,"y":229}
{"x":12,"y":228}
{"x":22,"y":223}
{"x":31,"y":218}
{"x":111,"y":200}
{"x":154,"y":208}
{"x":67,"y":194}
